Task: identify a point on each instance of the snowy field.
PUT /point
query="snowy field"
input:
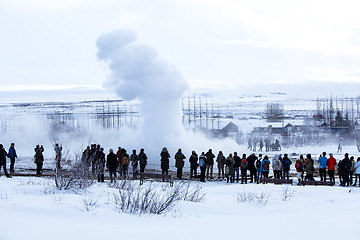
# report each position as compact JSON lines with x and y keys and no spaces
{"x":32,"y":208}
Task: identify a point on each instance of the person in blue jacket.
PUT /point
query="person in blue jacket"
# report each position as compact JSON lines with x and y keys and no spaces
{"x":322,"y":169}
{"x":12,"y":155}
{"x":265,"y":167}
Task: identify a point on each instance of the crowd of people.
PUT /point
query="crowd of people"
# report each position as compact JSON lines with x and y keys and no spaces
{"x":234,"y":168}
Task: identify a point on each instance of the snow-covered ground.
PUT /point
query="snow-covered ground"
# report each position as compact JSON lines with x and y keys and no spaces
{"x":31,"y":208}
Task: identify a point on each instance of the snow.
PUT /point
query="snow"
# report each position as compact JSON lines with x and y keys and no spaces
{"x":31,"y":208}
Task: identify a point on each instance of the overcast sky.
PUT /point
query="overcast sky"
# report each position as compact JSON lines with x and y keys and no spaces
{"x":52,"y":42}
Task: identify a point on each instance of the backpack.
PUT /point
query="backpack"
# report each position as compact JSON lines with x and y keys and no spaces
{"x":244,"y":163}
{"x":228,"y":163}
{"x":124,"y":160}
{"x":201,"y":162}
{"x":142,"y":159}
{"x":265,"y":165}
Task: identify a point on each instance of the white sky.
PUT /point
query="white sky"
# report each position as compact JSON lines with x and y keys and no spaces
{"x":52,"y":42}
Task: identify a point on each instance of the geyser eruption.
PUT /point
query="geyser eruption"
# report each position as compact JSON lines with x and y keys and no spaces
{"x":138,"y":73}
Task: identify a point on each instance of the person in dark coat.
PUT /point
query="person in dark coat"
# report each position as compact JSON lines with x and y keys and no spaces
{"x":12,"y":155}
{"x":142,"y":160}
{"x":100,"y":165}
{"x":220,"y":159}
{"x":286,"y":166}
{"x":202,"y":164}
{"x":237,"y":164}
{"x":134,"y":163}
{"x":112,"y":164}
{"x":3,"y":155}
{"x":179,"y":163}
{"x":165,"y":161}
{"x":251,"y":167}
{"x":39,"y":158}
{"x":347,"y":164}
{"x":193,"y":160}
{"x":209,"y":164}
{"x":244,"y":166}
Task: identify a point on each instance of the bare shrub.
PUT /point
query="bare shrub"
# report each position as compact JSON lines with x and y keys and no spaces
{"x":90,"y":202}
{"x":260,"y":199}
{"x":147,"y":200}
{"x":193,"y":194}
{"x":77,"y":176}
{"x":287,"y":194}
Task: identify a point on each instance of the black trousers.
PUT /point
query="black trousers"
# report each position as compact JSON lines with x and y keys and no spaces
{"x":39,"y":168}
{"x":331,"y":175}
{"x":142,"y":168}
{"x":277,"y":174}
{"x":265,"y":174}
{"x":193,"y":172}
{"x":179,"y":173}
{"x":3,"y":165}
{"x":244,"y":176}
{"x":322,"y":172}
{"x":12,"y":164}
{"x":165,"y":171}
{"x":253,"y":175}
{"x":202,"y":174}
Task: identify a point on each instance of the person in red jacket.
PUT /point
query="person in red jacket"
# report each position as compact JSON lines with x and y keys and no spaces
{"x":331,"y":163}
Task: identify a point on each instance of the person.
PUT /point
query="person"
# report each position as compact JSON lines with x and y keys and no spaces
{"x":340,"y":167}
{"x":244,"y":166}
{"x":237,"y":164}
{"x":249,"y":143}
{"x":267,"y":144}
{"x":209,"y":164}
{"x":118,"y":155}
{"x":309,"y":168}
{"x":358,"y":144}
{"x":286,"y":166}
{"x":265,"y":167}
{"x":299,"y":170}
{"x":254,"y":144}
{"x":85,"y":158}
{"x":340,"y":145}
{"x":229,"y":169}
{"x":261,"y":145}
{"x":221,"y":164}
{"x":112,"y":164}
{"x":12,"y":155}
{"x":193,"y":160}
{"x":165,"y":161}
{"x":352,"y":159}
{"x":143,"y":160}
{"x":258,"y":168}
{"x":357,"y":171}
{"x":277,"y":146}
{"x":347,"y":168}
{"x":277,"y":166}
{"x":251,"y":167}
{"x":100,"y":165}
{"x":3,"y":155}
{"x":302,"y":160}
{"x":39,"y":159}
{"x":179,"y":163}
{"x":331,"y":163}
{"x":58,"y":149}
{"x":134,"y":163}
{"x":124,"y":163}
{"x":202,"y":164}
{"x":322,"y":168}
